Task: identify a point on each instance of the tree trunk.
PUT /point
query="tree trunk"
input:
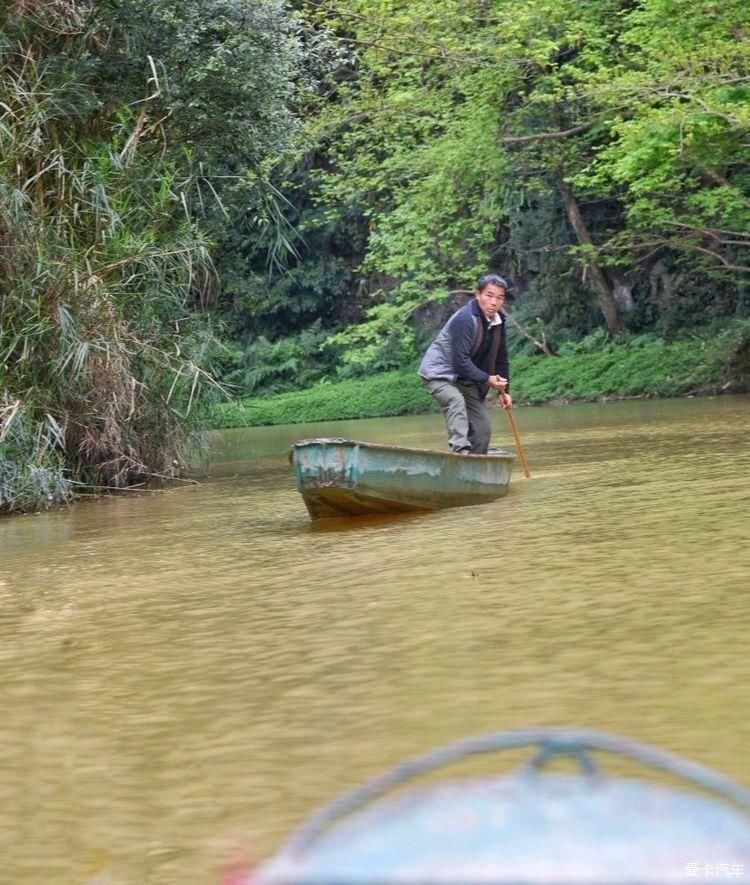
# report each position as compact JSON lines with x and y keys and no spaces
{"x":607,"y":302}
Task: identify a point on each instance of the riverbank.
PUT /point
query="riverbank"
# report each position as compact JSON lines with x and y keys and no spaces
{"x":596,"y":368}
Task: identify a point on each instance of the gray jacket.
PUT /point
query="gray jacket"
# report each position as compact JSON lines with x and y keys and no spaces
{"x":464,"y":347}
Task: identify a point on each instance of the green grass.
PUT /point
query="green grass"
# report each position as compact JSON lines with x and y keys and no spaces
{"x":636,"y":367}
{"x":595,"y":368}
{"x":391,"y":393}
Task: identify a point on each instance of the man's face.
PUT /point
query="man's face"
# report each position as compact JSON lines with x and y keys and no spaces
{"x":490,"y":299}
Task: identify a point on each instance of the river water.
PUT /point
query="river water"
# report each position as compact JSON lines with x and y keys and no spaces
{"x":186,"y":674}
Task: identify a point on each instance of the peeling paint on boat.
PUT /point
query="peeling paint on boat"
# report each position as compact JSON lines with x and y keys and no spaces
{"x":340,"y":477}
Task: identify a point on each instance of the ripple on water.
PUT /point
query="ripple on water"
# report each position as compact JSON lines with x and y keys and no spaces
{"x":191,"y":672}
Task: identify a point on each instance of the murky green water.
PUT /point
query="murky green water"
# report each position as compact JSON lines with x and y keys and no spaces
{"x":185,"y":675}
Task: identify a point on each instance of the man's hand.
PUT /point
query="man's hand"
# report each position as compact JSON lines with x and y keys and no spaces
{"x":498,"y":382}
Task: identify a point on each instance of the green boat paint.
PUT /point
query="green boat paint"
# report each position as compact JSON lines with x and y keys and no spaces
{"x":341,"y":477}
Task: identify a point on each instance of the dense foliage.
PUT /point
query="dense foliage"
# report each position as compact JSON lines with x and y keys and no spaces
{"x":273,"y":196}
{"x":595,"y":152}
{"x":596,"y":367}
{"x":127,"y":131}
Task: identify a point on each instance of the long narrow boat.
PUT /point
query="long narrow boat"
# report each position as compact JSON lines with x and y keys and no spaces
{"x":342,"y":477}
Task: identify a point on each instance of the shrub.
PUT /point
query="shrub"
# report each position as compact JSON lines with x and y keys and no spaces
{"x":32,"y":470}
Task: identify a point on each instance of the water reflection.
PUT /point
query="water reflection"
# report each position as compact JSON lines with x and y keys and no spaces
{"x":187,"y":673}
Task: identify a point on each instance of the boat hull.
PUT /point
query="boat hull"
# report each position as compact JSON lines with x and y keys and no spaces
{"x":338,"y":477}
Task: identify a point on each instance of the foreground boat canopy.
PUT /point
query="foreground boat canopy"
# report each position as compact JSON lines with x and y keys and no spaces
{"x":529,"y":826}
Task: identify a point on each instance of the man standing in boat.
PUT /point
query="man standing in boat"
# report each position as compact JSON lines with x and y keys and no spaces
{"x":468,"y":357}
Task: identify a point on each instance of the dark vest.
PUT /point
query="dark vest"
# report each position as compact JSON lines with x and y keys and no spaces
{"x":489,"y":356}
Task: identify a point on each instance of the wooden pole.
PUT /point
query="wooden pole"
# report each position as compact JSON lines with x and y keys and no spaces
{"x":521,"y":453}
{"x":519,"y":447}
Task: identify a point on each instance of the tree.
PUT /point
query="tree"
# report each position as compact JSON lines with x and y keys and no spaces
{"x":677,"y":149}
{"x":127,"y":129}
{"x":461,"y":126}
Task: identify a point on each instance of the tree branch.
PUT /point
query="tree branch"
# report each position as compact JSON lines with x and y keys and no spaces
{"x":546,"y":136}
{"x":441,"y":56}
{"x":542,"y":345}
{"x":713,"y":233}
{"x":725,"y":265}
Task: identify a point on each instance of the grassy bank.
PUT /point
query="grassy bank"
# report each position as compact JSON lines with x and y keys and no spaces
{"x":592,"y":369}
{"x":392,"y":393}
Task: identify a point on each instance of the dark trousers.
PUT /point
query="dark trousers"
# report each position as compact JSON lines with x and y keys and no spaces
{"x":465,"y":413}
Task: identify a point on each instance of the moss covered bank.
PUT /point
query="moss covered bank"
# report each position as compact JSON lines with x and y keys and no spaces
{"x":596,"y":368}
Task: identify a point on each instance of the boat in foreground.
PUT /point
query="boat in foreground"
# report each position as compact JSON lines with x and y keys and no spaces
{"x":342,"y":477}
{"x":537,"y":824}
